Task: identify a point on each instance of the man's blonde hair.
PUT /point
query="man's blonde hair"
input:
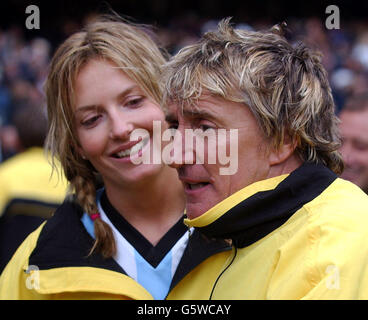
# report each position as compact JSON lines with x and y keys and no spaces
{"x":285,"y":86}
{"x":133,"y":50}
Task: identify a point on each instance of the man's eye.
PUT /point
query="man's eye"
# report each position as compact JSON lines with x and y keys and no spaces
{"x":205,"y":127}
{"x":173,"y":125}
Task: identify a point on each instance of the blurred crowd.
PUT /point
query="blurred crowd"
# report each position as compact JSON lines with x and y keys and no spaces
{"x":24,"y":62}
{"x":23,"y":67}
{"x":344,"y":51}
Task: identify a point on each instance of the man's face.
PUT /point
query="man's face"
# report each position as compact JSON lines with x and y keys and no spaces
{"x":354,"y":132}
{"x":204,"y":185}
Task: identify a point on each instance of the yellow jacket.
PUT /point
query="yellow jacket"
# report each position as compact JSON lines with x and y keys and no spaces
{"x":53,"y":263}
{"x":297,"y":236}
{"x":27,"y":187}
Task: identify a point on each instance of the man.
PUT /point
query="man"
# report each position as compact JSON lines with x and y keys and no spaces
{"x":354,"y":132}
{"x":297,"y":230}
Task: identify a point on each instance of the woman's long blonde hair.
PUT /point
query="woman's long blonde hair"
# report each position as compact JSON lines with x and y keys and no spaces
{"x":131,"y":48}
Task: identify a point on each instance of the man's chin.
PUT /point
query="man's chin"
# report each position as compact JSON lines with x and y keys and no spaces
{"x":194,"y":210}
{"x":200,"y":199}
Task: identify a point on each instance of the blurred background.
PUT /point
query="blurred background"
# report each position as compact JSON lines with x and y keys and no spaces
{"x":25,"y":54}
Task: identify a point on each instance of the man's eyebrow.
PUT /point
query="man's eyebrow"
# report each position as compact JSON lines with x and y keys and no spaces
{"x":195,"y":113}
{"x":198,"y":113}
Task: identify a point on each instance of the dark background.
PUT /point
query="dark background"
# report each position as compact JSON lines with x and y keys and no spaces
{"x":55,"y":15}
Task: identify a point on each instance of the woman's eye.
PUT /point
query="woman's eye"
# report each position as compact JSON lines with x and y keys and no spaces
{"x":135,"y":102}
{"x":89,"y":122}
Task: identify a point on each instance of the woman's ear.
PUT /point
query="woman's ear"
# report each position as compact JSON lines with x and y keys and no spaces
{"x":80,"y":152}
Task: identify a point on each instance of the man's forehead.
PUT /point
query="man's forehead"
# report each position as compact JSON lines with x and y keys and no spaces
{"x":206,"y":107}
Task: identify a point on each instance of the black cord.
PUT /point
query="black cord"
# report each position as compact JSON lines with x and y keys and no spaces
{"x":232,"y":260}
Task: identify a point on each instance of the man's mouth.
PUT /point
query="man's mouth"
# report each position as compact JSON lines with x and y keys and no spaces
{"x":194,"y":179}
{"x":195,"y":186}
{"x":133,"y":150}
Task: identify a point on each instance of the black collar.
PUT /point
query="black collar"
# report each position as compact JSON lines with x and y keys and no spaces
{"x":199,"y":248}
{"x":64,"y":242}
{"x":260,"y":214}
{"x":152,"y":254}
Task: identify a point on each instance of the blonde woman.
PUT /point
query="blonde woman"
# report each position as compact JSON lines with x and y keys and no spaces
{"x":121,"y":235}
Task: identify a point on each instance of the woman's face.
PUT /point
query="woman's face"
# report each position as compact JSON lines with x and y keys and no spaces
{"x":109,"y":107}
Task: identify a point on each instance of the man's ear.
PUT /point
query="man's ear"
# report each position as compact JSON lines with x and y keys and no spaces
{"x":282,"y":153}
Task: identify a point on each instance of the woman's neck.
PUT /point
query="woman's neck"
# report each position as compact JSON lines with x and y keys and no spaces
{"x":152,"y":206}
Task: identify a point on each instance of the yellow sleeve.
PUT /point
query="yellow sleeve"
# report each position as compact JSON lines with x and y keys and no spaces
{"x":17,"y":279}
{"x":339,"y":265}
{"x":327,"y":259}
{"x":341,"y":271}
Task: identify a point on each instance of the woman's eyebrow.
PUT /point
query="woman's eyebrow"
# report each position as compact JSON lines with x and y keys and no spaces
{"x":129,"y":90}
{"x":121,"y":95}
{"x":86,"y":108}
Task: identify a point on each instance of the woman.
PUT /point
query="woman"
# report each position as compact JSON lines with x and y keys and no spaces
{"x":124,"y":240}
